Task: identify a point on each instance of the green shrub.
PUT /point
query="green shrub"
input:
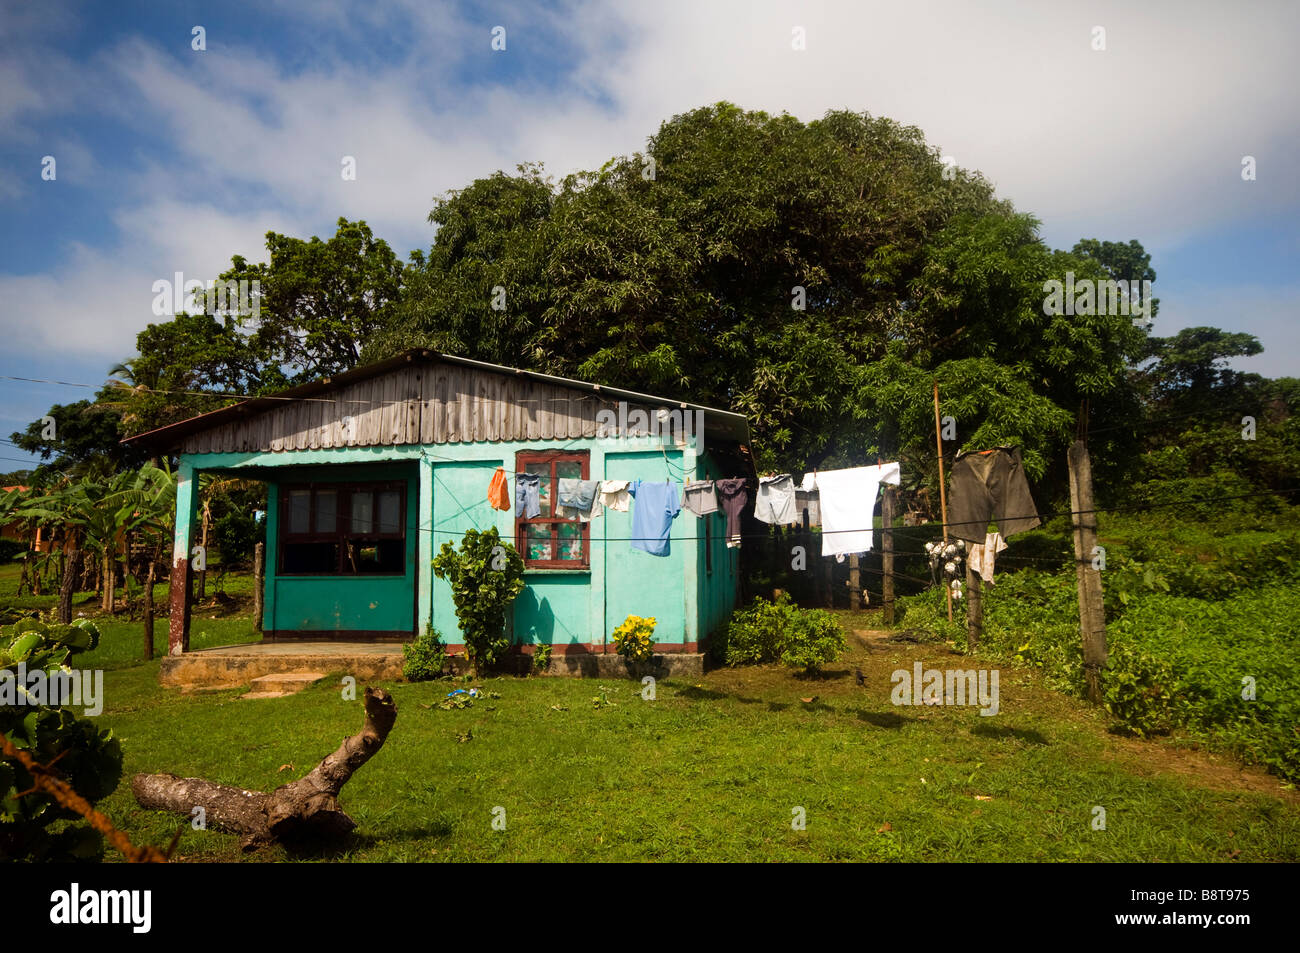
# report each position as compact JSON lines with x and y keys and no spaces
{"x":485,"y":575}
{"x":815,"y":639}
{"x":425,"y":658}
{"x":634,"y":638}
{"x":234,"y":536}
{"x":1208,"y":498}
{"x":782,"y":632}
{"x":88,"y":758}
{"x":1183,"y":634}
{"x":541,"y":657}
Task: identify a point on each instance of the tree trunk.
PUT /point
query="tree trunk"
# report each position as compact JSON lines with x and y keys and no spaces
{"x":148,"y":611}
{"x":70,"y":566}
{"x":306,"y":807}
{"x":22,"y":576}
{"x":107,"y":571}
{"x":126,"y":581}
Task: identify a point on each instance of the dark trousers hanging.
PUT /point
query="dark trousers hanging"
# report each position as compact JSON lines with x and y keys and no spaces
{"x":990,"y":485}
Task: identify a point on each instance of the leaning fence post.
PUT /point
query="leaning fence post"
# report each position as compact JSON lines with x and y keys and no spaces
{"x":1092,"y":611}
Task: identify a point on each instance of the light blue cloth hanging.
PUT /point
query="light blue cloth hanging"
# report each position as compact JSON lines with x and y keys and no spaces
{"x":528,"y":495}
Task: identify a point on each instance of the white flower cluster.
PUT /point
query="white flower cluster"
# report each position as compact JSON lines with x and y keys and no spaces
{"x":952,"y":556}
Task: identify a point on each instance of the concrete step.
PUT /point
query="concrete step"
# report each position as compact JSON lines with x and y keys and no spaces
{"x":233,"y":666}
{"x":285,"y":682}
{"x":255,"y":695}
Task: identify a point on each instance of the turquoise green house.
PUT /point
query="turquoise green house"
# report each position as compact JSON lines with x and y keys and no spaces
{"x":370,"y":472}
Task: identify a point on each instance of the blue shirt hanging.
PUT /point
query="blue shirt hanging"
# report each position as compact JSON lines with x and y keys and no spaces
{"x":656,"y":506}
{"x":528,"y":494}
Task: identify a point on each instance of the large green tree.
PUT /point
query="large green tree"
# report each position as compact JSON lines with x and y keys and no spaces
{"x":817,"y":276}
{"x":187,"y":366}
{"x":320,"y":299}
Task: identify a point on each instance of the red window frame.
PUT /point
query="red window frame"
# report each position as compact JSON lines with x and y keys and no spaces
{"x":553,"y":457}
{"x":342,"y":534}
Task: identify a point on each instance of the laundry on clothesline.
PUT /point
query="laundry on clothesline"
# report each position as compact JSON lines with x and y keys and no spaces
{"x":847,"y":500}
{"x":990,"y":485}
{"x":981,"y":556}
{"x":577,"y":499}
{"x":614,"y":495}
{"x":732,"y":496}
{"x":499,"y":490}
{"x":657,"y":505}
{"x":700,"y":498}
{"x":774,"y":502}
{"x":808,"y":501}
{"x":528,"y":502}
{"x":653,"y":512}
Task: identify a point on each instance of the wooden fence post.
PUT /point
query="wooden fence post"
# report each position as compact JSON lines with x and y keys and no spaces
{"x":1092,"y":611}
{"x":259,"y":571}
{"x":887,"y":552}
{"x":827,"y":581}
{"x":855,"y":583}
{"x":148,"y":610}
{"x":974,"y":607}
{"x":943,"y":492}
{"x":772,"y":540}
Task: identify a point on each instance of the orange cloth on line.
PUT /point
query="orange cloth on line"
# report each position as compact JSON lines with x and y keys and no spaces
{"x":499,"y":490}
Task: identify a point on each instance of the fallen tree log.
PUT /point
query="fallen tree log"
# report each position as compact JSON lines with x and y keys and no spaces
{"x":302,"y":809}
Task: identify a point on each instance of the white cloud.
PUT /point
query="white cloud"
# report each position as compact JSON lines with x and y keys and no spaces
{"x":1142,"y":140}
{"x":95,"y":301}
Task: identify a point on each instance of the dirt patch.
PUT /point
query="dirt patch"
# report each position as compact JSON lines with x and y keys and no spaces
{"x":1219,"y":772}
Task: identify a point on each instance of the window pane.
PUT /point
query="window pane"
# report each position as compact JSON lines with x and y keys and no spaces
{"x":568,"y":470}
{"x":570,"y":541}
{"x":390,"y":512}
{"x":537,"y":540}
{"x":363,"y":512}
{"x":326,"y":511}
{"x":310,"y":558}
{"x":543,"y":470}
{"x":376,"y":556}
{"x":300,"y":511}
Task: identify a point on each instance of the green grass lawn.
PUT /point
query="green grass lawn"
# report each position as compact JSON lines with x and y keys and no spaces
{"x":212,"y":622}
{"x":712,"y":769}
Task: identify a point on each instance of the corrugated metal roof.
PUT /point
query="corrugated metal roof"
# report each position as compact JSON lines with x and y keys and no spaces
{"x":721,"y":424}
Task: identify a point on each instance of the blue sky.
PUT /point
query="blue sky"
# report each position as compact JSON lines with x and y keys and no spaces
{"x":171,"y":159}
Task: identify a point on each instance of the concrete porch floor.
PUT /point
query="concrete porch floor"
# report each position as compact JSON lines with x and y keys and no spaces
{"x":229,"y":666}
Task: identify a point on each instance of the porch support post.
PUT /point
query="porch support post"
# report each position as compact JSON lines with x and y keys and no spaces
{"x":424,"y":549}
{"x":178,"y":639}
{"x":693,"y":582}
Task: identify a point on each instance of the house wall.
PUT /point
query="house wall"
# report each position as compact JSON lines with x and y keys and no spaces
{"x":573,"y":610}
{"x":719,"y":587}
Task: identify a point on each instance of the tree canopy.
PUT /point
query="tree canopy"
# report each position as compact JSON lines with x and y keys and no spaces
{"x":818,"y":276}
